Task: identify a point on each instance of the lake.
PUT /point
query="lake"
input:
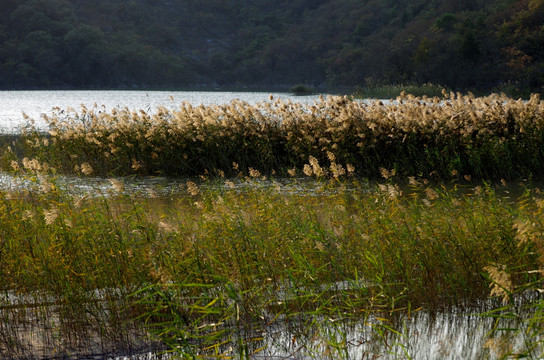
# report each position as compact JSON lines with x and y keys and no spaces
{"x":34,"y":103}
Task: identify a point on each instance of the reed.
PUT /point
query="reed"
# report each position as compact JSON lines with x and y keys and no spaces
{"x":490,"y":137}
{"x":208,"y":273}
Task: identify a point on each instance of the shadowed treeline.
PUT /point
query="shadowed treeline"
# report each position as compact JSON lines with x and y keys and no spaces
{"x":475,"y":45}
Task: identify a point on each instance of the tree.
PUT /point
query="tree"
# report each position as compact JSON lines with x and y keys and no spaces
{"x":446,"y":22}
{"x":86,"y":57}
{"x":470,"y":47}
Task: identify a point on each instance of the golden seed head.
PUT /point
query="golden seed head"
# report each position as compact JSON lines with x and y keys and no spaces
{"x":51,"y":215}
{"x":386,"y":174}
{"x":317,"y":170}
{"x":254,"y":173}
{"x":431,"y":194}
{"x":192,"y":188}
{"x":78,"y":201}
{"x":166,"y":227}
{"x":337,"y":170}
{"x":501,"y":282}
{"x":86,"y":169}
{"x":199,"y":205}
{"x":27,"y":215}
{"x":307,"y":170}
{"x":14,"y":165}
{"x":117,"y":185}
{"x":525,"y":231}
{"x":292,"y":172}
{"x":136,"y":165}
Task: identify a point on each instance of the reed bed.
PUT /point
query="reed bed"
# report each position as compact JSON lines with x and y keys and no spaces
{"x":490,"y":137}
{"x":214,"y":272}
{"x":219,"y":269}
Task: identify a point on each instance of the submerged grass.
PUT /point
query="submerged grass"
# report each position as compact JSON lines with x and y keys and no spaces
{"x":215,"y":272}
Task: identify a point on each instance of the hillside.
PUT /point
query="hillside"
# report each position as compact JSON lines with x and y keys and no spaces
{"x":462,"y":44}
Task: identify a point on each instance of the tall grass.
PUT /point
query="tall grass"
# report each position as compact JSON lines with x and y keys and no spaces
{"x":489,"y":137}
{"x":213,"y":272}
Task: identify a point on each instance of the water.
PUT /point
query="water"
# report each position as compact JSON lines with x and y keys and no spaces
{"x":422,"y":336}
{"x":451,"y":335}
{"x":36,"y":103}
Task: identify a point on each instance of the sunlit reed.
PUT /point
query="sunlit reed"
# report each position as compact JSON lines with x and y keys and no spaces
{"x":485,"y":137}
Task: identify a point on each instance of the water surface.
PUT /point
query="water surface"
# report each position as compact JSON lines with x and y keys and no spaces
{"x":34,"y":103}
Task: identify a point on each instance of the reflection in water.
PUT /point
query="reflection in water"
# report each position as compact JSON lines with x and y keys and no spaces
{"x":445,"y":335}
{"x":173,"y":187}
{"x":165,"y":187}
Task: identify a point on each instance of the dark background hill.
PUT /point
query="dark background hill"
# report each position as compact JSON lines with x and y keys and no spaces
{"x":461,"y":44}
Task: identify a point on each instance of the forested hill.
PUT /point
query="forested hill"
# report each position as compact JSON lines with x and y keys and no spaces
{"x":462,"y":44}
